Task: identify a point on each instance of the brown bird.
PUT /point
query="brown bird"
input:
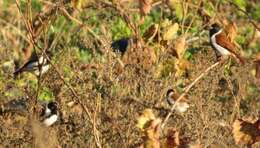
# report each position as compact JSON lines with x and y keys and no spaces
{"x":172,"y":96}
{"x":222,"y":44}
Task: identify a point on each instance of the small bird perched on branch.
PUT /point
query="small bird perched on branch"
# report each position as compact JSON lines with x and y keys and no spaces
{"x":222,"y":45}
{"x":37,"y":65}
{"x":172,"y":96}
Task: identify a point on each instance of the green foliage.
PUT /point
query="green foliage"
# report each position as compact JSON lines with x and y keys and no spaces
{"x":120,"y":29}
{"x":240,"y":39}
{"x":241,"y":4}
{"x":85,"y":56}
{"x":46,"y":94}
{"x":256,"y":12}
{"x":189,"y":53}
{"x":35,"y":5}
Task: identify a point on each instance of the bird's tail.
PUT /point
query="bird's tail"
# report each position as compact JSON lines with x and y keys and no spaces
{"x":18,"y":72}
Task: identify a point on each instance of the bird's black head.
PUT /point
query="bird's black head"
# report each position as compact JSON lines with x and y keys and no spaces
{"x":53,"y":106}
{"x":169,"y":92}
{"x":214,"y":29}
{"x":120,"y":45}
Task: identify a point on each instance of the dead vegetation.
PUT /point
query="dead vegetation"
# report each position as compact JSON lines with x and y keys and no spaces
{"x":109,"y":100}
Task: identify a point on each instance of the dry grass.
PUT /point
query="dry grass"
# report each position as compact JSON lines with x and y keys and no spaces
{"x":116,"y":97}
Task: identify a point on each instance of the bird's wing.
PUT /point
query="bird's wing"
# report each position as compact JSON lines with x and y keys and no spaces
{"x":223,"y":41}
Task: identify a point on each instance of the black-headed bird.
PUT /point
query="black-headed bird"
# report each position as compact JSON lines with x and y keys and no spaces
{"x":172,"y":96}
{"x":222,"y":45}
{"x":120,"y":45}
{"x":36,"y":65}
{"x":50,"y":113}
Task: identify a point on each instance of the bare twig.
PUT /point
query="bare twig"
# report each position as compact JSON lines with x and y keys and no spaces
{"x":187,"y":89}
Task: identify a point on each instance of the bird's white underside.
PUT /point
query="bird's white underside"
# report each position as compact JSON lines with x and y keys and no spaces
{"x":222,"y":50}
{"x":51,"y":120}
{"x":47,"y":112}
{"x":180,"y":107}
{"x":44,"y":69}
{"x":42,"y":61}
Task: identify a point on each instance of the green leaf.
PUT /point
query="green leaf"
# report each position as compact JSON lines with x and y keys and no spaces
{"x":240,"y":39}
{"x":120,"y":29}
{"x":46,"y":94}
{"x":85,"y":56}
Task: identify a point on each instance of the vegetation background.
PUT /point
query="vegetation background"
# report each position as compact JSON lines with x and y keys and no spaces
{"x":101,"y":94}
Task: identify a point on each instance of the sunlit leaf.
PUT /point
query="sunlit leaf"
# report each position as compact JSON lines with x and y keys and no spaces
{"x":152,"y":134}
{"x":171,"y":32}
{"x":145,"y":117}
{"x":79,"y":4}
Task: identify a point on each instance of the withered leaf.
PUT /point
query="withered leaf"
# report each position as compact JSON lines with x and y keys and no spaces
{"x":171,"y":32}
{"x":245,"y":132}
{"x":145,"y":6}
{"x":145,"y":117}
{"x":231,"y":31}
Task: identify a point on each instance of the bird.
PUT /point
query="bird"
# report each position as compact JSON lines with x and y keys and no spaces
{"x":120,"y":45}
{"x":222,"y":45}
{"x":36,"y":65}
{"x":50,"y":113}
{"x":181,"y":105}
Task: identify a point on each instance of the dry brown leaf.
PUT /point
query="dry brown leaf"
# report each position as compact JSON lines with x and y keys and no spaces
{"x":145,"y":6}
{"x":231,"y":31}
{"x":151,"y":32}
{"x":171,"y":32}
{"x":152,"y":135}
{"x":179,"y":46}
{"x":145,"y":117}
{"x":172,"y":140}
{"x":245,"y":132}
